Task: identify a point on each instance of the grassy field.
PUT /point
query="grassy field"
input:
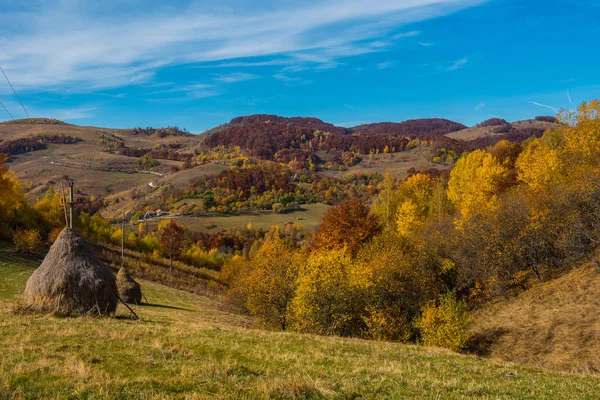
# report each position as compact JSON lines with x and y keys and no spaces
{"x":555,"y":324}
{"x":311,"y":215}
{"x":191,"y":347}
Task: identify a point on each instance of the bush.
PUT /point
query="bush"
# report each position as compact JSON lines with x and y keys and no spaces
{"x":546,"y":118}
{"x":445,"y":324}
{"x":27,"y":241}
{"x":278,"y":208}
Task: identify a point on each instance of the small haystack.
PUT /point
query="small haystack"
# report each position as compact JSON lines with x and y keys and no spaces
{"x":129,"y":290}
{"x":72,"y":280}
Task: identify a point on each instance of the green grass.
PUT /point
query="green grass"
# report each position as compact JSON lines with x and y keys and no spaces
{"x":191,"y":347}
{"x":311,"y":215}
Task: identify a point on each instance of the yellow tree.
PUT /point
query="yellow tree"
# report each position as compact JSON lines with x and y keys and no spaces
{"x":416,"y":194}
{"x":51,"y":208}
{"x":13,"y":206}
{"x":474,"y":184}
{"x":386,"y":203}
{"x":540,"y":164}
{"x":328,"y":298}
{"x":271,"y":281}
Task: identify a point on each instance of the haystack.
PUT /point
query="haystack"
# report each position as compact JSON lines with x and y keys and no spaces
{"x":129,"y":290}
{"x":72,"y":280}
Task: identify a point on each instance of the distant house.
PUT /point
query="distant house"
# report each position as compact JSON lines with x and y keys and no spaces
{"x":152,"y":214}
{"x":149,"y":214}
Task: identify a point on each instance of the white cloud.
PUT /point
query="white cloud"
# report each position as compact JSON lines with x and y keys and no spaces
{"x":458,"y":64}
{"x":291,"y":80}
{"x":569,"y":97}
{"x":235,"y":77}
{"x":82,"y":46}
{"x":406,"y":34}
{"x":479,"y":106}
{"x":385,"y":65}
{"x":425,"y":44}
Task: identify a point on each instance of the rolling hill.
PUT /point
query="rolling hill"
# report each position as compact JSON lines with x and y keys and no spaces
{"x":111,"y":163}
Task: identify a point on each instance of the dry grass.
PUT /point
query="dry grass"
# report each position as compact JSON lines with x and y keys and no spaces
{"x":187,"y":347}
{"x":398,"y":163}
{"x":482,"y":131}
{"x":554,"y":325}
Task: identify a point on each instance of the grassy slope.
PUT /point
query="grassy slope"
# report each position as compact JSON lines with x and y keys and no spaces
{"x":481,"y":131}
{"x":186,"y":346}
{"x":555,"y":324}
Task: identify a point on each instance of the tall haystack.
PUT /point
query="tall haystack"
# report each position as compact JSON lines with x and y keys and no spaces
{"x":129,"y":290}
{"x":72,"y":280}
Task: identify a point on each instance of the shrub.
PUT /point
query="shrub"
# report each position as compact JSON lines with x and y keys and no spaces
{"x":445,"y":324}
{"x":546,"y":118}
{"x":27,"y":240}
{"x":278,"y":208}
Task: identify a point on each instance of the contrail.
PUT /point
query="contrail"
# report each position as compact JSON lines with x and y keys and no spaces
{"x":535,"y":103}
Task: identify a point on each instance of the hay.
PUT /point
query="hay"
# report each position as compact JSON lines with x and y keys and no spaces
{"x":129,"y":290}
{"x":72,"y":280}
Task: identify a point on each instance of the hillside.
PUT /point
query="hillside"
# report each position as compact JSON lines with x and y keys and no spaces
{"x":554,"y":325}
{"x":188,"y":346}
{"x":502,"y":128}
{"x":134,"y":169}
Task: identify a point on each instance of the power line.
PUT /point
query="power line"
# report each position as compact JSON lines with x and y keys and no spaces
{"x":18,"y":98}
{"x":11,"y":116}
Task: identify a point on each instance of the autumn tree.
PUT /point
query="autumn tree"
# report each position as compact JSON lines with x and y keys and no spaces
{"x":348,"y":225}
{"x":386,"y":203}
{"x":475,"y":184}
{"x":171,"y":237}
{"x":14,"y":210}
{"x":328,"y":299}
{"x":268,"y":281}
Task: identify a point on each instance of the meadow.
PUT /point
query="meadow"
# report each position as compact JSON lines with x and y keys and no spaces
{"x":193,"y":347}
{"x":308,"y":218}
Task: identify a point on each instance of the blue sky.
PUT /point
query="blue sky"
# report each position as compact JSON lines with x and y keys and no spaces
{"x":197,"y":64}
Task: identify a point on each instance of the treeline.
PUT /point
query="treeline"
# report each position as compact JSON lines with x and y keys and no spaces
{"x":266,"y":186}
{"x":411,"y":127}
{"x":35,"y":142}
{"x":158,"y":152}
{"x":161,"y":132}
{"x":410,"y":265}
{"x":38,"y":121}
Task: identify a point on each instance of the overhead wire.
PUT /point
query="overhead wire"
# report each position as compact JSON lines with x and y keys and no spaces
{"x":18,"y":98}
{"x":11,"y":116}
{"x":60,"y":167}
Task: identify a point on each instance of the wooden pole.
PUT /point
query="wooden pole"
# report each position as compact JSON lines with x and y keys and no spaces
{"x":122,"y":241}
{"x":71,"y":203}
{"x":62,"y":188}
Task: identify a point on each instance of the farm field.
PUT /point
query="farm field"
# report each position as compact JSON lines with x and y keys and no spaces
{"x":311,"y":215}
{"x":192,"y":347}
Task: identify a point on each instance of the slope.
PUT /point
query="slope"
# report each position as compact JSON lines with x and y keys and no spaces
{"x":555,"y":324}
{"x":186,"y":346}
